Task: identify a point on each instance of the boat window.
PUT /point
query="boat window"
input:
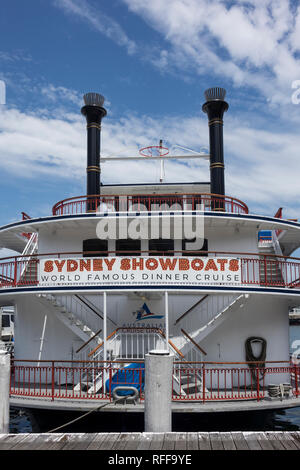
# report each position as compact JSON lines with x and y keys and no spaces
{"x":96,"y":245}
{"x":202,"y":252}
{"x":160,"y":245}
{"x":5,"y":321}
{"x":131,"y":246}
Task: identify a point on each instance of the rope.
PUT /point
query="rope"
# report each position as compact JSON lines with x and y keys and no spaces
{"x":251,"y":358}
{"x":77,"y":419}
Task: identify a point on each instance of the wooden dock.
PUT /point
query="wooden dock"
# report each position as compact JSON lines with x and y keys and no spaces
{"x":173,"y":441}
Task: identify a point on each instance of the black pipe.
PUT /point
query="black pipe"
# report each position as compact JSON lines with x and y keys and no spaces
{"x":94,"y":112}
{"x":215,"y":107}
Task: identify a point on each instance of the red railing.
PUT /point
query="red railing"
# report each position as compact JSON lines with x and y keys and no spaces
{"x":263,"y":270}
{"x":155,"y":202}
{"x":191,"y":382}
{"x":72,"y":379}
{"x":208,"y":382}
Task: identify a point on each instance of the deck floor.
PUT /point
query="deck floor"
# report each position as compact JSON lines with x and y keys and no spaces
{"x":189,"y":441}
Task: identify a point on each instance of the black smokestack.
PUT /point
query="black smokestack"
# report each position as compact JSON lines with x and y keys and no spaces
{"x":215,"y":107}
{"x":94,"y":112}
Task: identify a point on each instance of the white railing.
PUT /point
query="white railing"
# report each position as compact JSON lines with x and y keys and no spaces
{"x":29,"y":249}
{"x":129,"y":345}
{"x":78,"y":310}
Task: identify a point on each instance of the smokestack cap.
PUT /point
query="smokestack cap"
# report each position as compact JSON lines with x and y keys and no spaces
{"x":215,"y":93}
{"x":93,"y":99}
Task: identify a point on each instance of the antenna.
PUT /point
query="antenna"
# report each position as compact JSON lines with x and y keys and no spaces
{"x":162,"y":165}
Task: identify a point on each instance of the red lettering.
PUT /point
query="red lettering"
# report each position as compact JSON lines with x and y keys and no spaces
{"x":197,"y":264}
{"x":168,"y":263}
{"x":138,"y":263}
{"x":125,"y":264}
{"x":184,"y":264}
{"x":222,"y":263}
{"x":109,"y":263}
{"x":97,"y":265}
{"x":48,"y":267}
{"x":234,"y":265}
{"x":59,"y":264}
{"x":151,"y":264}
{"x":72,"y":265}
{"x":85,"y":264}
{"x":210,"y":265}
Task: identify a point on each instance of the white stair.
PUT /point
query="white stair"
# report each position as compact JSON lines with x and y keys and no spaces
{"x":70,"y":319}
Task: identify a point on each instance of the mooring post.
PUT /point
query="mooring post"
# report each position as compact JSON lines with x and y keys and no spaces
{"x":158,"y":391}
{"x":4,"y":391}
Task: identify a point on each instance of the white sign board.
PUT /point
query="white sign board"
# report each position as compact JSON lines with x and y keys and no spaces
{"x":138,"y":271}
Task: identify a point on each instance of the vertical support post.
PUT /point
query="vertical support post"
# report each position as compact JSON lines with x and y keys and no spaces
{"x":52,"y":380}
{"x":167,"y":319}
{"x":257,"y":383}
{"x":158,"y":391}
{"x":296,"y":380}
{"x":105,"y":335}
{"x":4,"y":391}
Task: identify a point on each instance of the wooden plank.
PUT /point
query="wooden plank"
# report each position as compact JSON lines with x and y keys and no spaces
{"x":145,"y":441}
{"x":56,"y":443}
{"x":252,"y":441}
{"x":263,"y":441}
{"x":169,"y":441}
{"x":288,"y":442}
{"x":45,"y":441}
{"x":294,"y":437}
{"x":216,"y":441}
{"x":28,"y":443}
{"x":239,"y":441}
{"x":275,"y":441}
{"x":79,"y":441}
{"x":123,"y":440}
{"x":227,"y":440}
{"x":192,"y":441}
{"x":157,"y":441}
{"x":108,"y":444}
{"x":9,"y":440}
{"x":181,"y":440}
{"x":99,"y":441}
{"x":204,"y":441}
{"x":133,"y":442}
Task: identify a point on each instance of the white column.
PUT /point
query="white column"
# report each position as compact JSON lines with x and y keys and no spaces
{"x":158,"y":391}
{"x":104,"y":326}
{"x":4,"y":392}
{"x":167,"y":319}
{"x":105,"y":335}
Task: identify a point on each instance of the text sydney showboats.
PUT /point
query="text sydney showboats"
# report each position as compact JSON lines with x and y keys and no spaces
{"x":130,"y":268}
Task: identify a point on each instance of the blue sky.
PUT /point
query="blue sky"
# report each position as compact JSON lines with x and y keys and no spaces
{"x":152,"y":60}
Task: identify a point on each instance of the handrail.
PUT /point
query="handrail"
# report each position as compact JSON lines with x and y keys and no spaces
{"x":250,"y":264}
{"x":191,"y":308}
{"x":194,"y":342}
{"x":171,"y":344}
{"x":88,"y":341}
{"x":149,"y":252}
{"x":85,"y":302}
{"x":158,"y":330}
{"x":232,"y":202}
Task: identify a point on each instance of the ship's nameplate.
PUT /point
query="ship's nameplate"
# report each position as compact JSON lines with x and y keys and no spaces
{"x":150,"y":271}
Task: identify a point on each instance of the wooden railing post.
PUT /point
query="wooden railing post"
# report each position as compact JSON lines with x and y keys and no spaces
{"x":203,"y":383}
{"x":52,"y":381}
{"x":257,"y":383}
{"x":296,"y":380}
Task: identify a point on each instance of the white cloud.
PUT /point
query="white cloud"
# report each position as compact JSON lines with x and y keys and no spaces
{"x":251,"y":42}
{"x":98,"y":20}
{"x":262,"y":167}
